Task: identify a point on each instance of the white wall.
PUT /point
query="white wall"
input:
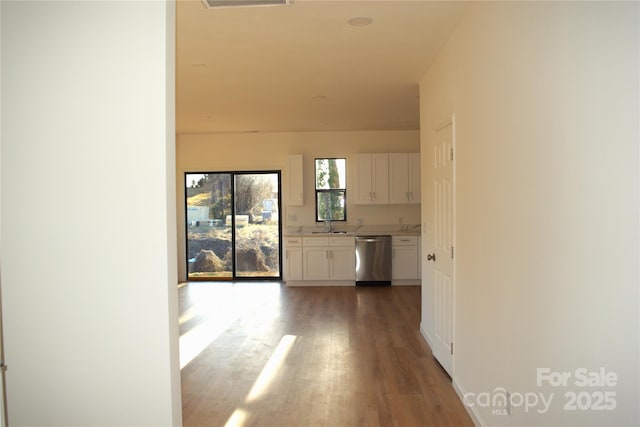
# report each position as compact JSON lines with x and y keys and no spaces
{"x":268,"y":151}
{"x":90,"y":301}
{"x":546,"y":103}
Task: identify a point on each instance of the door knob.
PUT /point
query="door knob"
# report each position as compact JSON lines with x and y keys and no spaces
{"x":431,"y":257}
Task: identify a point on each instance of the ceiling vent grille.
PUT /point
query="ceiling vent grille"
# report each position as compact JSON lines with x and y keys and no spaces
{"x":217,"y":4}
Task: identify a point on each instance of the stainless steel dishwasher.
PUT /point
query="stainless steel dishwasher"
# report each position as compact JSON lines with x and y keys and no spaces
{"x":373,"y":260}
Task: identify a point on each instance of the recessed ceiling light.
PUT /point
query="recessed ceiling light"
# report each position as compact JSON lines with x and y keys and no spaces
{"x":360,"y":21}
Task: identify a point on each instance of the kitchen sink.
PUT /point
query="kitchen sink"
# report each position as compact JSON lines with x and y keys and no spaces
{"x":329,"y":232}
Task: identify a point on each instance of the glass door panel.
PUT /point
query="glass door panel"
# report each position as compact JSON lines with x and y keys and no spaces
{"x":209,"y":237}
{"x":257,"y":228}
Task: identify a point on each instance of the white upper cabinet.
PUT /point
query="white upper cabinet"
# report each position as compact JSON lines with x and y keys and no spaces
{"x":414,"y":177}
{"x":404,"y":178}
{"x":371,"y":186}
{"x":295,"y":180}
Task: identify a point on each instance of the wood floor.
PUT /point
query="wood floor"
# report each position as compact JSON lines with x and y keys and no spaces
{"x":262,"y":354}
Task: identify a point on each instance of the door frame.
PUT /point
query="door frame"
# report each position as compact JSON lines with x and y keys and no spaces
{"x":234,"y":276}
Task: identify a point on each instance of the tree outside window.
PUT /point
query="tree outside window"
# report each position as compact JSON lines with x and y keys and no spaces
{"x":331,"y":190}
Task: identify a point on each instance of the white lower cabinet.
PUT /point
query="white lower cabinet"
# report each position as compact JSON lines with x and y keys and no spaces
{"x":405,"y":261}
{"x":316,"y":263}
{"x":342,"y":263}
{"x":329,"y":258}
{"x":293,"y":258}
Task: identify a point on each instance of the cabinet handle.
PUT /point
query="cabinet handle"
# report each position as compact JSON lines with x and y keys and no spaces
{"x":286,"y":255}
{"x":393,"y":253}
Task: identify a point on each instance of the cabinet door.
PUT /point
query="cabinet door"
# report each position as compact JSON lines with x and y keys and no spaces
{"x":399,"y":178}
{"x":404,"y":263}
{"x":362,"y":179}
{"x":293,"y":259}
{"x":419,"y":257}
{"x":315,"y":263}
{"x":371,"y":186}
{"x":342,"y":263}
{"x":414,"y":178}
{"x":404,"y":178}
{"x":295,"y":184}
{"x":380,"y":179}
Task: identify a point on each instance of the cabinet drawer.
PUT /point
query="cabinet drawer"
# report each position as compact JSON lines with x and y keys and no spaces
{"x":292,"y":242}
{"x":342,"y":241}
{"x":315,"y":241}
{"x":404,"y":240}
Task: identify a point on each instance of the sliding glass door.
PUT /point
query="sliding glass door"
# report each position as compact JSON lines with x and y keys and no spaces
{"x":233,"y":225}
{"x":257,"y":225}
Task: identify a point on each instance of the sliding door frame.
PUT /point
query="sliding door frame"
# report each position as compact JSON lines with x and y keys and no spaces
{"x":234,"y":276}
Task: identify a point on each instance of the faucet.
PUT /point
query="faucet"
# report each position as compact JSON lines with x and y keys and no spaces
{"x":327,"y":226}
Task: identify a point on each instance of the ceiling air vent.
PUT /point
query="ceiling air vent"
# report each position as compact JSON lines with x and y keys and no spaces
{"x":217,"y":4}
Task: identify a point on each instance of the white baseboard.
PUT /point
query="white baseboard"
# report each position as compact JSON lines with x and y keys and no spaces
{"x":300,"y":283}
{"x":475,"y":417}
{"x":471,"y":410}
{"x":293,"y":283}
{"x":406,"y":282}
{"x":425,"y":335}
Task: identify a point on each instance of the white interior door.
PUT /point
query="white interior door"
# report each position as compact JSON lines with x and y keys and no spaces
{"x":441,"y":255}
{"x":3,"y":398}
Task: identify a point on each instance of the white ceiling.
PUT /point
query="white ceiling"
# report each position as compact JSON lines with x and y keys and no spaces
{"x":303,"y":67}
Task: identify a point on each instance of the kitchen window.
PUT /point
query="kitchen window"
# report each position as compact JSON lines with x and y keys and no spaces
{"x":331,"y":189}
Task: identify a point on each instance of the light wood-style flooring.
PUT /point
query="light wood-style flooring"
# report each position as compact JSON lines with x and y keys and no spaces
{"x":262,"y":354}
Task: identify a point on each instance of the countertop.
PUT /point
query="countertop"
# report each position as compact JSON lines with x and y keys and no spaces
{"x":371,"y":230}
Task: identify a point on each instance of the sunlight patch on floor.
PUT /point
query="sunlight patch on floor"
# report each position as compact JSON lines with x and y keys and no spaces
{"x":212,"y":309}
{"x":266,"y":377}
{"x":237,"y":419}
{"x":193,"y":342}
{"x":272,"y":367}
{"x":189,"y":314}
{"x":215,"y":319}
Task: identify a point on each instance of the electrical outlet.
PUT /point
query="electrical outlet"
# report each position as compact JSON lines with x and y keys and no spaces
{"x":400,"y":220}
